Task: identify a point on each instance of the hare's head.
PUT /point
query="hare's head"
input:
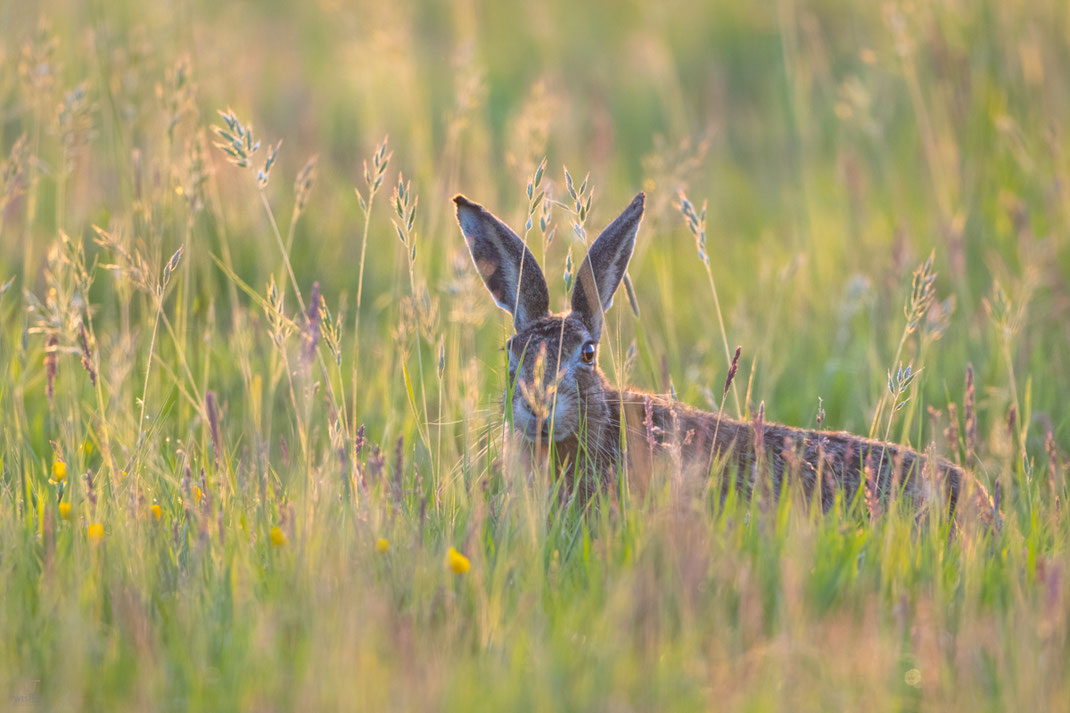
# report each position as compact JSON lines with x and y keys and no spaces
{"x":554,"y":380}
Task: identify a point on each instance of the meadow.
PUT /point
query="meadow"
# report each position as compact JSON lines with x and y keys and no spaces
{"x":252,"y":453}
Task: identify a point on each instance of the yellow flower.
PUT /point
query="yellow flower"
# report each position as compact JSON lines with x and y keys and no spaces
{"x":65,"y":511}
{"x":96,"y":532}
{"x":156,"y":511}
{"x":277,"y":536}
{"x":457,"y":562}
{"x":382,"y":544}
{"x":197,"y":494}
{"x":59,"y":470}
{"x":87,"y":447}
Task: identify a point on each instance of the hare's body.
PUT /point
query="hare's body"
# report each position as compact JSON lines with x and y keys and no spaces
{"x":658,"y":430}
{"x":559,"y":395}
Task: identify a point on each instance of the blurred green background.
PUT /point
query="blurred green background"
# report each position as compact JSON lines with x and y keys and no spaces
{"x":836,"y":143}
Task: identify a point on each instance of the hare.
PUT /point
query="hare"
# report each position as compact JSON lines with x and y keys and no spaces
{"x":558,"y":394}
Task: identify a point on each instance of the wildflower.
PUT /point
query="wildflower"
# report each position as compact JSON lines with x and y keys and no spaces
{"x":197,"y":494}
{"x":96,"y":532}
{"x":382,"y":545}
{"x":157,"y":512}
{"x":65,"y":511}
{"x":277,"y":536}
{"x":457,"y":562}
{"x":59,"y":470}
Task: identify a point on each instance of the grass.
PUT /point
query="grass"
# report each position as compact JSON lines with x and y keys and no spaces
{"x":252,"y":455}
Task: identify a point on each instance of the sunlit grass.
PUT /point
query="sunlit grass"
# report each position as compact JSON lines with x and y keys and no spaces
{"x":253,"y":452}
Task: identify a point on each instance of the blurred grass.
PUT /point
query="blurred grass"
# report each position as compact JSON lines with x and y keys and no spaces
{"x":837,"y":144}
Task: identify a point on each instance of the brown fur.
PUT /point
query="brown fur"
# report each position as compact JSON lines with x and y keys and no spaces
{"x":657,"y":429}
{"x":598,"y":431}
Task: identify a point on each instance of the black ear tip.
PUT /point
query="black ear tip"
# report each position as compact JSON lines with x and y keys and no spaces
{"x":636,"y":208}
{"x":463,"y":202}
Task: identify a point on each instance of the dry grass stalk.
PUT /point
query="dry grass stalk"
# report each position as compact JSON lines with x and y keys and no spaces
{"x":970,"y":409}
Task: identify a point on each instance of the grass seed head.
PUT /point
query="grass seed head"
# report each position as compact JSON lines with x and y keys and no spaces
{"x":306,"y":178}
{"x":969,"y":408}
{"x":235,"y":139}
{"x":951,"y":433}
{"x":732,"y":373}
{"x":87,"y":357}
{"x":870,"y":498}
{"x":13,"y":173}
{"x":51,"y":364}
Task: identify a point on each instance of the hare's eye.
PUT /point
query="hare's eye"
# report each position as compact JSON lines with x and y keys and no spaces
{"x":587,"y":353}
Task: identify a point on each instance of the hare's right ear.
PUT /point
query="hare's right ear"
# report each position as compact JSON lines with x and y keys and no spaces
{"x":604,"y":267}
{"x":507,"y":267}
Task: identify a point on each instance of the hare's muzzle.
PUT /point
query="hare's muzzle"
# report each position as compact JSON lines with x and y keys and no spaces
{"x":537,"y":413}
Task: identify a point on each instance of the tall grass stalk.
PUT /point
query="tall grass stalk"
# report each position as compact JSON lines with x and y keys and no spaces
{"x":696,"y":223}
{"x":922,"y":295}
{"x":373,"y":180}
{"x":405,"y":203}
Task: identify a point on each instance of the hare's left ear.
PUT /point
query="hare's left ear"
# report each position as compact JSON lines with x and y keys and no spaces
{"x":507,"y":267}
{"x":604,"y":267}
